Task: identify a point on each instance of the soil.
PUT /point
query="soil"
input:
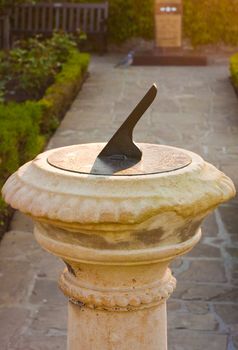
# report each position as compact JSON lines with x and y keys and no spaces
{"x":5,"y":219}
{"x":16,"y":94}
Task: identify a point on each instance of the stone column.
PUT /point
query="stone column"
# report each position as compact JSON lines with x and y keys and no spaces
{"x":117,"y":236}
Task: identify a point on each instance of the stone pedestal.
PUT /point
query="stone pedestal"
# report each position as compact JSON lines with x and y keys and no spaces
{"x":168,"y":24}
{"x":142,"y":329}
{"x":117,"y":236}
{"x":168,"y":50}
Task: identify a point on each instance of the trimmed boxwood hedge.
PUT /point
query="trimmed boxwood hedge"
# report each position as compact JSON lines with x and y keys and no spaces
{"x":59,"y":96}
{"x":234,"y":70}
{"x":25,"y":127}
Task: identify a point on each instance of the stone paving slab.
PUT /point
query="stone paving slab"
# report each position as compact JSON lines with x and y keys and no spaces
{"x":196,"y":109}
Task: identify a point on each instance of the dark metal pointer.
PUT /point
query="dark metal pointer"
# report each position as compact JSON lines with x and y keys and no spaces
{"x":120,"y":156}
{"x":121,"y":145}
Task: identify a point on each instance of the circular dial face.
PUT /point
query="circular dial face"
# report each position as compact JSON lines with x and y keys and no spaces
{"x":84,"y":159}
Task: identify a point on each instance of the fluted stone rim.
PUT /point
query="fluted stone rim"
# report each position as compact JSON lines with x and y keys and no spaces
{"x":45,"y":192}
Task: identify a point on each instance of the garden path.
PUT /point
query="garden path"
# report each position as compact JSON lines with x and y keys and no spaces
{"x":197,"y":109}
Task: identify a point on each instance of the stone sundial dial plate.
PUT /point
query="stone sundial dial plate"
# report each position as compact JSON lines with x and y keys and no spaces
{"x":84,"y":159}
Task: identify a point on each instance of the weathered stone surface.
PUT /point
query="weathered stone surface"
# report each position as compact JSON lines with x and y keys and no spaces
{"x":192,"y":340}
{"x":207,"y":292}
{"x":15,"y":290}
{"x":43,"y":342}
{"x":46,"y":291}
{"x":196,"y":307}
{"x":186,"y":320}
{"x":49,"y":319}
{"x":204,"y":271}
{"x":235,"y":341}
{"x":19,"y":245}
{"x":41,"y":261}
{"x":209,"y":226}
{"x":230,"y":218}
{"x":205,"y":250}
{"x":177,"y":263}
{"x":228,"y":313}
{"x":234,"y":273}
{"x":233,"y":252}
{"x":234,"y":238}
{"x":21,"y":222}
{"x":12,"y":323}
{"x":173,"y":305}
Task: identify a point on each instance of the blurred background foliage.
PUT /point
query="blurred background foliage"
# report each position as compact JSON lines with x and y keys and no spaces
{"x":204,"y":21}
{"x":39,"y":79}
{"x":211,"y":21}
{"x":129,"y":19}
{"x":234,"y":70}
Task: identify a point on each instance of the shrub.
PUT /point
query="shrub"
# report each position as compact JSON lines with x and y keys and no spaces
{"x":20,"y":138}
{"x":59,"y":96}
{"x":128,"y":18}
{"x":204,"y":21}
{"x":211,"y":21}
{"x":24,"y":127}
{"x":30,"y":67}
{"x":234,"y":69}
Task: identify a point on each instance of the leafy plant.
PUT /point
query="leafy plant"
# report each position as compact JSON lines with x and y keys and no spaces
{"x":24,"y":127}
{"x":31,"y":66}
{"x":60,"y":46}
{"x":59,"y":95}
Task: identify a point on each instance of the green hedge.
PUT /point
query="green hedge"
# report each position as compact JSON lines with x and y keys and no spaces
{"x":127,"y":18}
{"x":211,"y":21}
{"x":234,"y":69}
{"x":24,"y":127}
{"x":204,"y":21}
{"x":59,"y":96}
{"x":20,"y":137}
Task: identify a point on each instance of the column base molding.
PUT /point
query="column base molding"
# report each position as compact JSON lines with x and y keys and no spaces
{"x":117,"y":299}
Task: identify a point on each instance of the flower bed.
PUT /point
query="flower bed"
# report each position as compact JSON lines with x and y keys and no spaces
{"x":25,"y":126}
{"x":234,"y":71}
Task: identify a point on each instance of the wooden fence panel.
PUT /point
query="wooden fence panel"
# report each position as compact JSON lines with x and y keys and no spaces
{"x":5,"y":32}
{"x":44,"y":18}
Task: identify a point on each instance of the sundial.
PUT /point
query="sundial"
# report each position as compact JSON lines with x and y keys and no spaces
{"x":121,"y":156}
